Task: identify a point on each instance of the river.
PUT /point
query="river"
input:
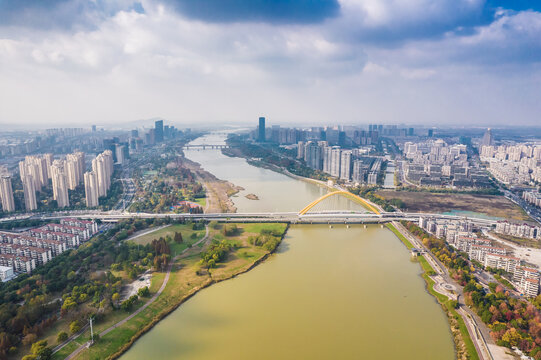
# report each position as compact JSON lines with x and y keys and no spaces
{"x":340,"y":293}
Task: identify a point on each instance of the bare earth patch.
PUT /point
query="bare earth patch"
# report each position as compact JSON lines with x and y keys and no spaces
{"x":491,"y":205}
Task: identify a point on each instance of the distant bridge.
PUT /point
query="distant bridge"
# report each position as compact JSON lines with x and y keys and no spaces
{"x":205,"y":146}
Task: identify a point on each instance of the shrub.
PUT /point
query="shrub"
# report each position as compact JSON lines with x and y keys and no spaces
{"x":61,"y":337}
{"x":75,"y":326}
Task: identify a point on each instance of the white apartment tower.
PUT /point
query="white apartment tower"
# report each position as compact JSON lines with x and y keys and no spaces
{"x":6,"y":194}
{"x":345,"y":165}
{"x":336,"y":152}
{"x":60,"y":183}
{"x":29,"y":193}
{"x":327,"y":153}
{"x":102,"y":165}
{"x":91,"y":189}
{"x":49,"y":158}
{"x":75,"y":169}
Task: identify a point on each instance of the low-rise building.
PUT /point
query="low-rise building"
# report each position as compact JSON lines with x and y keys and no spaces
{"x":18,"y":263}
{"x":504,"y":262}
{"x":6,"y":273}
{"x":479,"y":252}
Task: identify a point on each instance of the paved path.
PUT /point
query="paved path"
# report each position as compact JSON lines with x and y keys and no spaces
{"x":143,"y":233}
{"x":147,"y":304}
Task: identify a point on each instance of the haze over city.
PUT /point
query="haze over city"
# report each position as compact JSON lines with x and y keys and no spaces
{"x":75,"y":62}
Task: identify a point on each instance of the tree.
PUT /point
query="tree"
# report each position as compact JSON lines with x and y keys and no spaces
{"x":38,"y":346}
{"x":143,"y":292}
{"x":61,"y":337}
{"x":75,"y":326}
{"x":45,"y":353}
{"x":115,"y":298}
{"x":178,"y":237}
{"x":512,"y":337}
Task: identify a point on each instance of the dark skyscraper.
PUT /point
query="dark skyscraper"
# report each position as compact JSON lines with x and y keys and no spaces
{"x":158,"y":131}
{"x":261,"y":130}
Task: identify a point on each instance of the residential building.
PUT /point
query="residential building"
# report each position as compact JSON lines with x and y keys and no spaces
{"x":60,"y":183}
{"x":345,"y":165}
{"x":29,"y":189}
{"x":6,"y":194}
{"x":6,"y":273}
{"x":91,"y":189}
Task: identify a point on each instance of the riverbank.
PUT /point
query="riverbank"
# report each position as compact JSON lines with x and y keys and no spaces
{"x":187,"y":277}
{"x":218,"y":191}
{"x":464,"y":346}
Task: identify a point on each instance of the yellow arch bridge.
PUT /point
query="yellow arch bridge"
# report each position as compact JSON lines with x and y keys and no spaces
{"x":345,"y":194}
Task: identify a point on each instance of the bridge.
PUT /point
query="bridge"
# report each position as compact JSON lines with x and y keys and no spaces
{"x":345,"y":194}
{"x":302,"y":217}
{"x":205,"y":146}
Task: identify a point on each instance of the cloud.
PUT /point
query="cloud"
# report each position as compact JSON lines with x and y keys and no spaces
{"x":379,"y":60}
{"x":61,"y":14}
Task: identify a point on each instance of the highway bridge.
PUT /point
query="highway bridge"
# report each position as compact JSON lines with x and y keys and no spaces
{"x":307,"y":215}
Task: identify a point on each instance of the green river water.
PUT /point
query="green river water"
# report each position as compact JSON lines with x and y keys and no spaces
{"x":340,"y":293}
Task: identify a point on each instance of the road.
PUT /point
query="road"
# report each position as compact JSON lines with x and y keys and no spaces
{"x":478,"y":331}
{"x":147,"y":304}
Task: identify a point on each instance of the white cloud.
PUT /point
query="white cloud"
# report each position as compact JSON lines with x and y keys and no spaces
{"x":130,"y":65}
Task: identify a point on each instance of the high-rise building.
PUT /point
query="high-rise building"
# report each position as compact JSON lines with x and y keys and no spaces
{"x":71,"y":173}
{"x":29,"y":193}
{"x":261,"y":130}
{"x":49,"y":158}
{"x":102,"y":165}
{"x":312,"y":155}
{"x":158,"y":130}
{"x":91,"y":189}
{"x":60,"y":183}
{"x":150,"y":137}
{"x":6,"y":194}
{"x":327,"y":154}
{"x":336,"y":153}
{"x":358,"y":171}
{"x":74,"y":170}
{"x":345,"y":165}
{"x":488,"y":139}
{"x":36,"y":166}
{"x":120,"y":151}
{"x":300,"y":150}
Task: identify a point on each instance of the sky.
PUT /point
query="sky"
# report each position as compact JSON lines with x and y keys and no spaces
{"x":426,"y":62}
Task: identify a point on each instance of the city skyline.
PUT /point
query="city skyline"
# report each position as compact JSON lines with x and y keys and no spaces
{"x":455,"y":62}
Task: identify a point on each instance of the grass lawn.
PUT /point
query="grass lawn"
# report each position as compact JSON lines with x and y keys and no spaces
{"x":201,"y":201}
{"x":184,"y":229}
{"x":400,"y":236}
